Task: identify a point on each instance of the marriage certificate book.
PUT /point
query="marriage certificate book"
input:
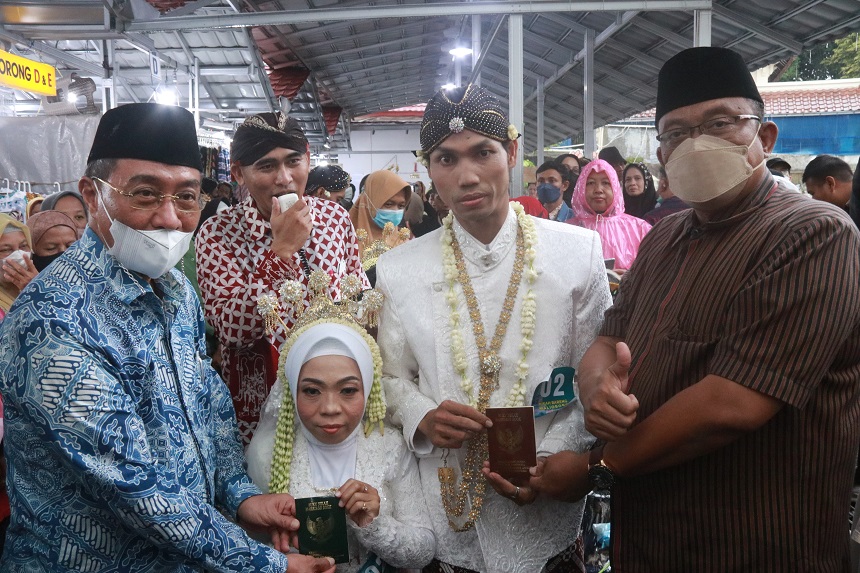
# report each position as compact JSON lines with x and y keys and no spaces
{"x":322,"y":528}
{"x":512,"y":441}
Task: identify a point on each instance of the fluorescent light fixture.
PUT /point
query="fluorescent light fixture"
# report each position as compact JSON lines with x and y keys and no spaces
{"x":166,"y":96}
{"x":460,"y":52}
{"x":219,"y":125}
{"x":448,"y":86}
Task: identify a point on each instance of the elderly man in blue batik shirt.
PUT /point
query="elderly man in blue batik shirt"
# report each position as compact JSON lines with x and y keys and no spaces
{"x":121,"y":440}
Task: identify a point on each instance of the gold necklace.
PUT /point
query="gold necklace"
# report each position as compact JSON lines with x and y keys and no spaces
{"x":454,"y":502}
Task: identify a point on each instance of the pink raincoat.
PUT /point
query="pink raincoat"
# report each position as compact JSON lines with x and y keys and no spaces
{"x":619,"y":232}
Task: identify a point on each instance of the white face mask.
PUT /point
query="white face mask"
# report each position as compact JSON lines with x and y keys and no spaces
{"x":150,"y":253}
{"x":706,"y":167}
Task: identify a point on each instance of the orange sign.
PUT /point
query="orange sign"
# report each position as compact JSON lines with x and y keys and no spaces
{"x":27,"y":75}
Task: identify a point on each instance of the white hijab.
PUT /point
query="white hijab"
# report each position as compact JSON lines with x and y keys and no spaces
{"x":331,"y":464}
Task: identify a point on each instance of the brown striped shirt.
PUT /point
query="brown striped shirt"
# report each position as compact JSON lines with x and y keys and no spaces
{"x":767,"y":296}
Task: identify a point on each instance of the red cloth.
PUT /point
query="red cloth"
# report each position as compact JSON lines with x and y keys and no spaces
{"x":532,"y":206}
{"x":235,"y":267}
{"x":287,"y":82}
{"x":331,"y":115}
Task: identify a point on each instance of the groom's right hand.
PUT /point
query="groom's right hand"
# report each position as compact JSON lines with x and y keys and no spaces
{"x":452,"y":423}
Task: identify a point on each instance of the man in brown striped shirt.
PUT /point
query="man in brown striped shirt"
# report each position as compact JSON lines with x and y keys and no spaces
{"x":726,"y":380}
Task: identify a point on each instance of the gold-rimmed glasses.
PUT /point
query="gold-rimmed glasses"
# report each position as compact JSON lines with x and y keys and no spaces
{"x":148,"y":199}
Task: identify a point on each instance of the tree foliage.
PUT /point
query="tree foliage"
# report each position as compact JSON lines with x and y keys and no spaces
{"x":810,"y":65}
{"x":846,"y":56}
{"x":828,"y":61}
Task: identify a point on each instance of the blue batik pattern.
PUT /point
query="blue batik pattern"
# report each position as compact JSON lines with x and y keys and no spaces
{"x":121,"y":439}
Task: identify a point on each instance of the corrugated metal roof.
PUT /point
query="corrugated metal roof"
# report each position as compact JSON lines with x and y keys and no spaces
{"x":369,"y":65}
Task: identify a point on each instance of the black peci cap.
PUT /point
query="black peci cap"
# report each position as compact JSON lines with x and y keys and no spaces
{"x":702,"y":74}
{"x":148,"y":131}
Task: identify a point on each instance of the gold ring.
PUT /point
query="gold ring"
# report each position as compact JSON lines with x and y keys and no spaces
{"x":363,"y":507}
{"x":365,"y":489}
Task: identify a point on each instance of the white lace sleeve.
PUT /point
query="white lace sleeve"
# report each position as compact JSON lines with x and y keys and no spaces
{"x":567,"y":431}
{"x":259,"y":451}
{"x":407,"y":406}
{"x":401,"y":535}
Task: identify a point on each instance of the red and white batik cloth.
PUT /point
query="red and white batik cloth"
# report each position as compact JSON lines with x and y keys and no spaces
{"x":235,"y":266}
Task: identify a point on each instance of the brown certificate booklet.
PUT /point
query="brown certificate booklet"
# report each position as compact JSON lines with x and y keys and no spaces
{"x":512,"y":441}
{"x":322,"y":528}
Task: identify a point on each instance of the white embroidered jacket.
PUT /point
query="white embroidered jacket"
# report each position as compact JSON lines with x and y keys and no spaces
{"x":415,"y":340}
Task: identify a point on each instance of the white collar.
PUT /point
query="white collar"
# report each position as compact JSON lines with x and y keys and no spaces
{"x":331,"y":464}
{"x":484,"y":256}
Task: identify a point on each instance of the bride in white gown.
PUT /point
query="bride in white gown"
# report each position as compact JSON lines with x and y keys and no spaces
{"x":333,"y":375}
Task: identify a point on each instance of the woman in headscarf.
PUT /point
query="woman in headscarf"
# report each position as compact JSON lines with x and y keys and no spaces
{"x":71,"y":203}
{"x":34,"y":205}
{"x":598,"y":204}
{"x":16,"y":268}
{"x":384,"y":200}
{"x":52,"y":232}
{"x":329,"y":382}
{"x":640,"y":195}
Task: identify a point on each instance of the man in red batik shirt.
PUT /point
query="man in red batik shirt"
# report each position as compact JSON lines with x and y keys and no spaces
{"x":252,"y":248}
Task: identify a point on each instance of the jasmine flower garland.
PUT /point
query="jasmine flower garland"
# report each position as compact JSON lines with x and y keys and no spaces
{"x":516,"y":396}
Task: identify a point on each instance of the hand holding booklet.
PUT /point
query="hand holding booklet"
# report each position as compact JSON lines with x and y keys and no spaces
{"x":322,"y":528}
{"x":511,"y":441}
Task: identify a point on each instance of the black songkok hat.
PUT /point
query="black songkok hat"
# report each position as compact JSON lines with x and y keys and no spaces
{"x":331,"y":177}
{"x":702,"y":74}
{"x":148,"y":131}
{"x":468,"y":107}
{"x":261,"y":133}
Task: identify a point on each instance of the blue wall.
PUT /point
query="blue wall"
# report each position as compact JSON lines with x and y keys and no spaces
{"x":814,"y":135}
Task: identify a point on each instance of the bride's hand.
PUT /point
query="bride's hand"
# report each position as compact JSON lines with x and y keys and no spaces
{"x":360,"y":500}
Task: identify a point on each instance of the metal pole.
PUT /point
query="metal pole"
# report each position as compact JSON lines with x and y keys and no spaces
{"x":476,"y":68}
{"x":108,"y":94}
{"x":702,"y":27}
{"x":115,"y":78}
{"x":340,"y":14}
{"x":540,"y":104}
{"x":190,"y":97}
{"x":588,"y":95}
{"x":197,"y":91}
{"x":515,"y":101}
{"x":458,"y":71}
{"x":476,"y":45}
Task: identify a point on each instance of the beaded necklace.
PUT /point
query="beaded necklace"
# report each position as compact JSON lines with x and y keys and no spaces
{"x":490,"y":363}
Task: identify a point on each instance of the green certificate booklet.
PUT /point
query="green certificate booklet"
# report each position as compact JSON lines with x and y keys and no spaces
{"x":322,"y":529}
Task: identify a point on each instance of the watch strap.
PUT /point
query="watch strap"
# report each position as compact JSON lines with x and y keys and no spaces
{"x":595,"y":456}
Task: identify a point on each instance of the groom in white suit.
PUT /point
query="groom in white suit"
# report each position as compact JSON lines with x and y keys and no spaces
{"x":477,"y":314}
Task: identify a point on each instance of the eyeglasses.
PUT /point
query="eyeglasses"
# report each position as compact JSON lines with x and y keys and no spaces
{"x":147,"y":199}
{"x":718,"y":127}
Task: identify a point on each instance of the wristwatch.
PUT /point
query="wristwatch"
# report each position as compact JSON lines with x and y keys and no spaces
{"x":599,"y":475}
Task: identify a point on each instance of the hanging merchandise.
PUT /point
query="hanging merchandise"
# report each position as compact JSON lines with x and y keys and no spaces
{"x":223,"y":165}
{"x":13,"y":201}
{"x":216,"y":162}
